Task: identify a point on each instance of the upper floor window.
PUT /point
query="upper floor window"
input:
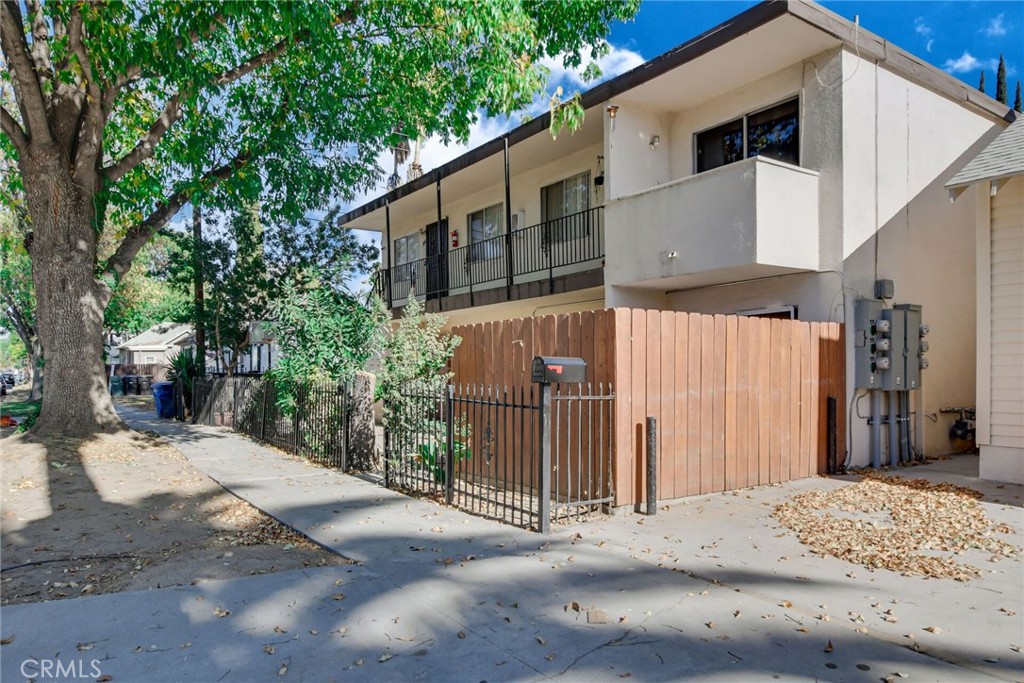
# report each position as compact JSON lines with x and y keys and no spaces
{"x":773,"y":132}
{"x":563,"y":205}
{"x":485,"y":226}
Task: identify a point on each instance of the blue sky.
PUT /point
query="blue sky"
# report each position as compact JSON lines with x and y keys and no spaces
{"x":958,"y":37}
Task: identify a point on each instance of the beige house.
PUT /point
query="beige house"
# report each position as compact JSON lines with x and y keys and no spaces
{"x":995,"y":181}
{"x":779,"y":164}
{"x":157,"y":345}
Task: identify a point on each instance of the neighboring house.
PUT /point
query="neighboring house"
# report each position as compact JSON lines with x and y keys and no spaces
{"x":995,"y":181}
{"x":157,"y":345}
{"x":778,"y":164}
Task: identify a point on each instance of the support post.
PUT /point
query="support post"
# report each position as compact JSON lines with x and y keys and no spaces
{"x":509,"y":261}
{"x":894,"y":428}
{"x":876,"y":428}
{"x":545,"y":459}
{"x":832,"y":453}
{"x":449,"y":446}
{"x":652,"y":465}
{"x":387,"y":251}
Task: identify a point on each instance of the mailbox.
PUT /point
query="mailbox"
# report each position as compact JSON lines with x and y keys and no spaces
{"x":550,"y":369}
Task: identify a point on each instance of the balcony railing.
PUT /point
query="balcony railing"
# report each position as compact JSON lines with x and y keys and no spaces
{"x":537,"y":252}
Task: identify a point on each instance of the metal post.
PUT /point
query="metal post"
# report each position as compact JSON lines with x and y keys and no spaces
{"x":652,"y":465}
{"x":876,"y":428}
{"x":894,"y":429}
{"x":508,"y":229}
{"x":906,"y":455}
{"x":387,"y":252}
{"x":545,"y":458}
{"x":449,"y":438}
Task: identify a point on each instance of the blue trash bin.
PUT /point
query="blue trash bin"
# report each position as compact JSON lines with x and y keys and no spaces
{"x":163,"y":396}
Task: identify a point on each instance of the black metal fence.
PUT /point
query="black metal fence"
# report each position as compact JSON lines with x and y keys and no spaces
{"x":546,"y":248}
{"x":524,"y":455}
{"x":312,"y":421}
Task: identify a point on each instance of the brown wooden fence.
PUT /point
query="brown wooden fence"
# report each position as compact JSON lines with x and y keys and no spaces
{"x":740,"y":401}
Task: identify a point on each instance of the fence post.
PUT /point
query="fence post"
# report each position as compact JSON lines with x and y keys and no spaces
{"x":545,"y":458}
{"x":346,"y":422}
{"x":652,"y":465}
{"x":263,"y":422}
{"x":449,"y":446}
{"x":387,"y":457}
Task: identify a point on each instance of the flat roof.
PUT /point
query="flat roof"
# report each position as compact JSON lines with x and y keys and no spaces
{"x":868,"y":45}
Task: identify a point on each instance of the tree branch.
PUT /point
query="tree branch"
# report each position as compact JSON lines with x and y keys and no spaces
{"x":40,"y":39}
{"x":173,"y":110}
{"x":90,"y":125}
{"x":26,"y":82}
{"x":137,"y":236}
{"x":12,"y":129}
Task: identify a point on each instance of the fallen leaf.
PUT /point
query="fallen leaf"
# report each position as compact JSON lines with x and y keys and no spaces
{"x":338,"y":596}
{"x":358,"y":662}
{"x":574,"y":606}
{"x":861,"y":630}
{"x":7,"y":641}
{"x":785,"y":603}
{"x":933,"y":629}
{"x":314,"y":632}
{"x":278,"y":629}
{"x":82,"y":647}
{"x":462,"y":635}
{"x":385,"y":657}
{"x":104,"y":678}
{"x":541,"y":641}
{"x":269,"y":649}
{"x":709,"y":624}
{"x":283,"y":669}
{"x":829,"y":648}
{"x":220,"y":612}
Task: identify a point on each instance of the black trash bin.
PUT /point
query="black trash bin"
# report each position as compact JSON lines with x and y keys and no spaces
{"x":131,"y":385}
{"x":145,"y":384}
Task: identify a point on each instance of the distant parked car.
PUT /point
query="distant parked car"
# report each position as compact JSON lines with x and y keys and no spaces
{"x":7,"y":378}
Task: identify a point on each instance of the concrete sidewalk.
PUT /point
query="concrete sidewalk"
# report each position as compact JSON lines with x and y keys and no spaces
{"x":707,"y":590}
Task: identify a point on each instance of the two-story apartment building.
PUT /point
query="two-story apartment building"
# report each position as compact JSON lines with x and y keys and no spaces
{"x":779,"y":164}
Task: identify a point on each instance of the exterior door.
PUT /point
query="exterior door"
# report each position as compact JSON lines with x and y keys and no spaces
{"x":437,"y":260}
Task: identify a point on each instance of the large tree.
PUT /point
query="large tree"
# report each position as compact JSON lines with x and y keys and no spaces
{"x":137,"y":108}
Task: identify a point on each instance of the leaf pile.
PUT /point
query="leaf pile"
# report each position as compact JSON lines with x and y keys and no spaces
{"x":923,"y":518}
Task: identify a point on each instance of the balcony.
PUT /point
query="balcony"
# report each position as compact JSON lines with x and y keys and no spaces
{"x":754,"y":218}
{"x":533,"y":261}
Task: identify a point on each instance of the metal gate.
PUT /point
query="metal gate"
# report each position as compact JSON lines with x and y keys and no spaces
{"x":526,"y":456}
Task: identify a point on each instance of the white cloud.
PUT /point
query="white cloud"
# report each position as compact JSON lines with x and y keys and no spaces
{"x":928,"y":47}
{"x":996,"y":28}
{"x":921,"y":27}
{"x":617,"y":61}
{"x":967,"y":63}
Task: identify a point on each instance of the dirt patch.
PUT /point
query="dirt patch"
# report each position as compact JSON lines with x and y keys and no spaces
{"x":911,"y":526}
{"x":127,"y":512}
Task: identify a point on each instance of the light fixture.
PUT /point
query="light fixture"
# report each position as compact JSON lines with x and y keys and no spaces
{"x":655,"y":141}
{"x":613,"y":111}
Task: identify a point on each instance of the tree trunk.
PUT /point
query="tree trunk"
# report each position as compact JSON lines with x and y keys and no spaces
{"x":35,"y":367}
{"x":69,"y":300}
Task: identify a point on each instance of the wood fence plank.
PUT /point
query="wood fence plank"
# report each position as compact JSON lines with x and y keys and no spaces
{"x":775,"y":445}
{"x":707,"y":414}
{"x":742,"y":399}
{"x":753,"y":370}
{"x":765,"y":400}
{"x":654,"y":377}
{"x":680,"y":404}
{"x":666,"y":412}
{"x":731,"y":361}
{"x":815,"y":400}
{"x":806,"y":408}
{"x":639,"y":363}
{"x":793,"y":471}
{"x":718,"y":400}
{"x":623,"y":470}
{"x":694,"y":410}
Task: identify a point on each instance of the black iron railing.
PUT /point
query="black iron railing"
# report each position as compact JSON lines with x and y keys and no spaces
{"x":545,"y":248}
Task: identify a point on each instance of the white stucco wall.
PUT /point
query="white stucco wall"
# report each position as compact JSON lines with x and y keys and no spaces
{"x":901,"y":142}
{"x":628,"y":149}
